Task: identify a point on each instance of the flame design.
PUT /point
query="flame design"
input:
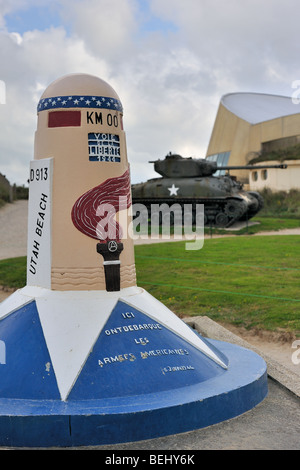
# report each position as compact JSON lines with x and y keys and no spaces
{"x":93,"y":212}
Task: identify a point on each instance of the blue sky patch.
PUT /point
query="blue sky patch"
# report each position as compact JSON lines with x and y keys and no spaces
{"x":34,"y":17}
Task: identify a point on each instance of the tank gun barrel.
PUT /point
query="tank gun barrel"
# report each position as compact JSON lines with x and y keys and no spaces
{"x":251,"y":167}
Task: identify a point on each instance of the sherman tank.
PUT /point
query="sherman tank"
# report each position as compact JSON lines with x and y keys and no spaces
{"x":191,"y":181}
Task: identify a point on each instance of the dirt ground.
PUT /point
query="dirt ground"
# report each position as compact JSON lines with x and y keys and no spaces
{"x":13,"y":243}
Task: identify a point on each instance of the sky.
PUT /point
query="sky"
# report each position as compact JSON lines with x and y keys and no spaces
{"x":170,"y":62}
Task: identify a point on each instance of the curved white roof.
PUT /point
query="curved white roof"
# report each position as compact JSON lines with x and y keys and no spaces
{"x":259,"y":107}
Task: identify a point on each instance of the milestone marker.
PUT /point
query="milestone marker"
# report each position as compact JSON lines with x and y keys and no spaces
{"x":87,"y":356}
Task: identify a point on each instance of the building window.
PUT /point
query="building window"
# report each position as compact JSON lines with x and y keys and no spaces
{"x":221,"y":159}
{"x":264,"y":174}
{"x":254,"y":175}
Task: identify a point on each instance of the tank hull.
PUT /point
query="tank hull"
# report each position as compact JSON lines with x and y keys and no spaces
{"x":224,"y":200}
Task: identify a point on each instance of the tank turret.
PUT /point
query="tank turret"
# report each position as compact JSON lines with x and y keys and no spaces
{"x":175,"y":166}
{"x":192,"y":181}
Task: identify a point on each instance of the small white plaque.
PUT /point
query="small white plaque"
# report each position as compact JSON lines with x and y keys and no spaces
{"x":39,"y":223}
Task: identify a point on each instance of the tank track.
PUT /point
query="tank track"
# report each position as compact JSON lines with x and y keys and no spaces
{"x":217,"y":212}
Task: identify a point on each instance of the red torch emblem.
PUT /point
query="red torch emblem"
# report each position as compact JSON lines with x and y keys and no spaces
{"x":93,"y":214}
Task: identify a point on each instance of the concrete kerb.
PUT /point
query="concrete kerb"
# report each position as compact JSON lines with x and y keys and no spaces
{"x":278,"y":372}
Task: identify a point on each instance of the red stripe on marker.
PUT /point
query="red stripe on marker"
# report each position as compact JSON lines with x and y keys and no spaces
{"x":64,"y":118}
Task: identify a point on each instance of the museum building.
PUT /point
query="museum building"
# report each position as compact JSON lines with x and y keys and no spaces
{"x":256,"y":128}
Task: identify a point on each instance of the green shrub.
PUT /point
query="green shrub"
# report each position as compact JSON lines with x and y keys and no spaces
{"x":281,"y":203}
{"x":4,"y":194}
{"x":20,"y":192}
{"x":280,"y":155}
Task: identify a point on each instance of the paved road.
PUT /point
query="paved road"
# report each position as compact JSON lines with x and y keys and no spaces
{"x":273,"y":425}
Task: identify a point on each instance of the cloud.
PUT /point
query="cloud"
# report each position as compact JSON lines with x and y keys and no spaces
{"x":240,"y":38}
{"x":107,"y":26}
{"x":170,"y":63}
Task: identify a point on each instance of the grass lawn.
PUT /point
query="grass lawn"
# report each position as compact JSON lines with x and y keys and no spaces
{"x":246,"y":281}
{"x":264,"y":224}
{"x":13,"y":272}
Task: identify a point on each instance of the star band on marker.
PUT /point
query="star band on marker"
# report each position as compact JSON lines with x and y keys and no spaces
{"x":79,"y":101}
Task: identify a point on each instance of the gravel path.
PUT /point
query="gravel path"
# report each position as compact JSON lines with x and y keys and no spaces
{"x":13,"y":229}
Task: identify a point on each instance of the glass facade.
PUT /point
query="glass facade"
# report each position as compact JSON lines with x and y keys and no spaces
{"x":221,"y":159}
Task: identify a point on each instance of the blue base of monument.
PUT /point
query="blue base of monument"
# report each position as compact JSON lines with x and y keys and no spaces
{"x":111,"y":420}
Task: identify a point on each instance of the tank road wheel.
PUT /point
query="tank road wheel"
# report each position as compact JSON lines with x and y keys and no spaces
{"x":221,"y":219}
{"x":234,"y":209}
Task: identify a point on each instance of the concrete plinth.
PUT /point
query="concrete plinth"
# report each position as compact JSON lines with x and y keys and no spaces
{"x":95,"y":368}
